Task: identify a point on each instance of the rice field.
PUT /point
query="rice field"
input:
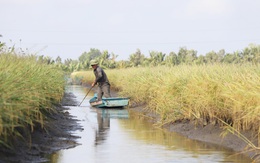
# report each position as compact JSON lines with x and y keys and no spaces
{"x":28,"y":90}
{"x":223,"y":94}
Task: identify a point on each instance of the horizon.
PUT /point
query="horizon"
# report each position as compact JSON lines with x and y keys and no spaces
{"x":48,"y":28}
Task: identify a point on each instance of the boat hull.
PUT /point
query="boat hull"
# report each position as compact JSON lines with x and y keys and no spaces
{"x":111,"y":102}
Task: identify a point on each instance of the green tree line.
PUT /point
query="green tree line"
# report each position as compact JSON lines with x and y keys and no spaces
{"x":184,"y":56}
{"x":250,"y":54}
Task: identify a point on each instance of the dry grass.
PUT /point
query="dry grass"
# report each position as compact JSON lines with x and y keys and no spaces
{"x":27,"y":90}
{"x":230,"y":93}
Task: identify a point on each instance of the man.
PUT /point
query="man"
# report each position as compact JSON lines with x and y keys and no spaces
{"x":101,"y":80}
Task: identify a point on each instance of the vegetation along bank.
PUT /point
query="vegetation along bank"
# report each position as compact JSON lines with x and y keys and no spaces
{"x":223,"y":95}
{"x":28,"y":89}
{"x":218,"y":89}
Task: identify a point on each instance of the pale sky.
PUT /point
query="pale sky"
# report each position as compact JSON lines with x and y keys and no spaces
{"x":67,"y":28}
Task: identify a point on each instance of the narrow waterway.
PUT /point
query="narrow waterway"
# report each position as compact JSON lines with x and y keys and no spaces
{"x":117,"y":135}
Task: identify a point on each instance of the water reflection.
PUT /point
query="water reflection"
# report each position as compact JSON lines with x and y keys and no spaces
{"x":176,"y":145}
{"x":103,"y":121}
{"x":112,"y":135}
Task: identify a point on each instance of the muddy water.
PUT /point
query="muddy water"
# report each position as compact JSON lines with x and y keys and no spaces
{"x":115,"y":136}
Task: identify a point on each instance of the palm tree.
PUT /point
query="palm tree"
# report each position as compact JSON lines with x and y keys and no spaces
{"x":136,"y":58}
{"x":156,"y":58}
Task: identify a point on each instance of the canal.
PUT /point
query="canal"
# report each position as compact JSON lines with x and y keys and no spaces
{"x":118,"y":135}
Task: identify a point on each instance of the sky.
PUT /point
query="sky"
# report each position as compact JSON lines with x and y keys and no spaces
{"x":67,"y":28}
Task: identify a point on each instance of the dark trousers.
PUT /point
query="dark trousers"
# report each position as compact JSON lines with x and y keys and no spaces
{"x":103,"y":90}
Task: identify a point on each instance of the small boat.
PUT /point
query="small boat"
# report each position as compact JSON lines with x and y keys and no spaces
{"x":111,"y":102}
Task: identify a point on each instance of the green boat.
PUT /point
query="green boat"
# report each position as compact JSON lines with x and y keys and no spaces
{"x":111,"y":102}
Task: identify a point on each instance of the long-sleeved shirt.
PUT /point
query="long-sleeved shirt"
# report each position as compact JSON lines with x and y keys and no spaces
{"x":101,"y":76}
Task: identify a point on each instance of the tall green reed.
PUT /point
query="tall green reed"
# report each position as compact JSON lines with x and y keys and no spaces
{"x":28,"y":89}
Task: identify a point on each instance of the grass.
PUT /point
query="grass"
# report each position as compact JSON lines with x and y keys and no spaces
{"x":28,"y":89}
{"x":209,"y":93}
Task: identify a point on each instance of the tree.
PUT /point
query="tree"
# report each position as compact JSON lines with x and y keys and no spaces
{"x":211,"y":57}
{"x":186,"y":56}
{"x":86,"y":57}
{"x":58,"y":60}
{"x":182,"y":55}
{"x":171,"y":59}
{"x":191,"y":57}
{"x":92,"y":54}
{"x":156,"y":58}
{"x":229,"y":58}
{"x":251,"y":53}
{"x":83,"y":57}
{"x":221,"y":55}
{"x":103,"y":59}
{"x":112,"y":61}
{"x":136,"y":58}
{"x":200,"y":60}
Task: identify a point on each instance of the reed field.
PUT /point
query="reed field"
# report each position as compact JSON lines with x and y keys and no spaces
{"x":221,"y":93}
{"x":28,"y":90}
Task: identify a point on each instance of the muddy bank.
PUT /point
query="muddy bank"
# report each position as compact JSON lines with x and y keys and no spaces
{"x":55,"y":136}
{"x":59,"y":126}
{"x":210,"y":133}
